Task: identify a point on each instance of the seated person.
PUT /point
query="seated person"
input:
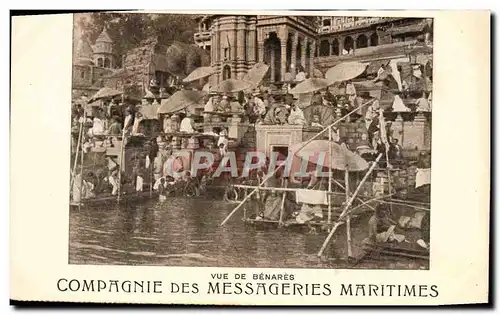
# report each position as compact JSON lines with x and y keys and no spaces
{"x":296,"y":116}
{"x":187,"y":124}
{"x":272,"y":206}
{"x":381,"y":226}
{"x":316,"y":122}
{"x":224,"y":105}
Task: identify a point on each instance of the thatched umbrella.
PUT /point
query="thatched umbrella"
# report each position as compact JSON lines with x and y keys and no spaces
{"x":339,"y":159}
{"x":179,"y":101}
{"x":256,"y":74}
{"x":232,"y":86}
{"x":310,"y":85}
{"x":199,"y":73}
{"x":345,"y":71}
{"x":105,"y":92}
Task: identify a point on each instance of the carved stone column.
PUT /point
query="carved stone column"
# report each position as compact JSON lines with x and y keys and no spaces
{"x":311,"y":58}
{"x":284,"y":39}
{"x":295,"y":42}
{"x":303,"y":53}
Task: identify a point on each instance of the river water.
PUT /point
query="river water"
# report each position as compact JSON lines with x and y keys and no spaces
{"x":187,"y":232}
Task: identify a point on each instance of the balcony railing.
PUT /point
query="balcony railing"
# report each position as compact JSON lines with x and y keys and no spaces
{"x":353,"y":24}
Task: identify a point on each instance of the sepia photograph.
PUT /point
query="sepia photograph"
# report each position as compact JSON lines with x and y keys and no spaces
{"x":273,"y":141}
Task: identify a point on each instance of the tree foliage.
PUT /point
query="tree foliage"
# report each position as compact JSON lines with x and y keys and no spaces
{"x":129,"y":29}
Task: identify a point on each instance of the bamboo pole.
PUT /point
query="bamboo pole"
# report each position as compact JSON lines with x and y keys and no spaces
{"x":81,"y":181}
{"x":282,"y":209}
{"x":151,"y":178}
{"x":348,"y":204}
{"x":330,"y":177}
{"x":284,"y":162}
{"x":121,"y":160}
{"x":348,"y":219}
{"x":76,"y":154}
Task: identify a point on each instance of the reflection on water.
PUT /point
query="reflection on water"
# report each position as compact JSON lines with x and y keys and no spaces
{"x":186,"y":232}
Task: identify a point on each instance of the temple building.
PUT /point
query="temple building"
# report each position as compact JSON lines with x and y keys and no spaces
{"x":237,"y":42}
{"x":91,"y":63}
{"x":309,"y":43}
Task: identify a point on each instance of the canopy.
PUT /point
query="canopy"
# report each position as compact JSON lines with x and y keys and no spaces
{"x":341,"y":159}
{"x":149,"y":111}
{"x":232,"y":86}
{"x":256,"y":74}
{"x":310,"y":85}
{"x":199,"y":73}
{"x":105,"y":92}
{"x":179,"y":101}
{"x":345,"y":71}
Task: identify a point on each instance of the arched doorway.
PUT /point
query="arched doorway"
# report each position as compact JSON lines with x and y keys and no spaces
{"x":362,"y":41}
{"x":272,"y":56}
{"x":107,"y":63}
{"x":335,"y":47}
{"x":289,"y":60}
{"x":324,"y":48}
{"x":374,"y":39}
{"x":348,"y":45}
{"x":226,"y":72}
{"x":100,"y":63}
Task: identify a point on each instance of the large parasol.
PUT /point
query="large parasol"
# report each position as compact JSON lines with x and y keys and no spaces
{"x":310,"y":85}
{"x":232,"y":86}
{"x":199,"y":73}
{"x":179,"y":101}
{"x":256,"y":74}
{"x":105,"y":92}
{"x":345,"y":71}
{"x":318,"y":152}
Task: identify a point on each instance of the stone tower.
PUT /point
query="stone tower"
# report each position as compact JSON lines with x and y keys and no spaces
{"x":103,"y":51}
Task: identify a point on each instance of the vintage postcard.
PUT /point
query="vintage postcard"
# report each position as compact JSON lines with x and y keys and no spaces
{"x":271,"y":158}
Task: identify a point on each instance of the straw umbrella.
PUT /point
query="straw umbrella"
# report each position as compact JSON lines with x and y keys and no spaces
{"x":345,"y":71}
{"x":335,"y":156}
{"x":105,"y":92}
{"x":232,"y":86}
{"x":199,"y":73}
{"x":256,"y":74}
{"x":310,"y":85}
{"x":179,"y":101}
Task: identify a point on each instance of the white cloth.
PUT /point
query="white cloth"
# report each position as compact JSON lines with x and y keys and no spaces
{"x":139,"y":183}
{"x":209,"y":106}
{"x":296,"y":117}
{"x":423,"y":105}
{"x":314,"y":197}
{"x":148,"y":161}
{"x":423,"y":177}
{"x":350,"y":89}
{"x":395,"y":73}
{"x":398,"y":105}
{"x":187,"y":125}
{"x":260,"y":107}
{"x":128,"y":119}
{"x":114,"y":183}
{"x":135,"y":128}
{"x":97,"y":127}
